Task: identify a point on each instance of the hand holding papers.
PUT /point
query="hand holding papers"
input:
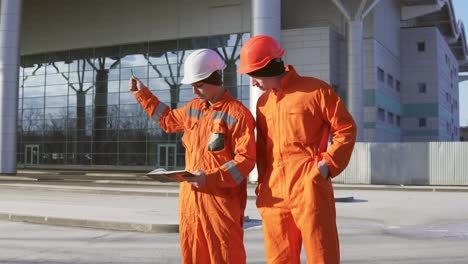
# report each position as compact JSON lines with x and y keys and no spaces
{"x":164,"y":175}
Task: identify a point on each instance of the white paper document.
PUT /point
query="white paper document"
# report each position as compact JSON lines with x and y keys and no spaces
{"x":164,"y":175}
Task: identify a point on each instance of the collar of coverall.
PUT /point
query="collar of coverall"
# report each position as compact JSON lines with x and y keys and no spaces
{"x":226,"y":97}
{"x":289,"y":74}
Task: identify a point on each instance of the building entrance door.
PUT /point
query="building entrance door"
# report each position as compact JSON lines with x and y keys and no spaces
{"x":167,"y":155}
{"x":31,"y":155}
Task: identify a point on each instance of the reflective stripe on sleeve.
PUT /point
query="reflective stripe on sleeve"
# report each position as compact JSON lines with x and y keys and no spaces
{"x":159,"y":111}
{"x":234,"y":171}
{"x":192,"y":112}
{"x":230,"y":120}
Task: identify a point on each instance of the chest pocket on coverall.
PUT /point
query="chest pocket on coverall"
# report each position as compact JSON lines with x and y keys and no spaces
{"x":217,"y":138}
{"x":300,"y":124}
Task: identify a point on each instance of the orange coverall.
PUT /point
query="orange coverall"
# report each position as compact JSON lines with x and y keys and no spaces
{"x":296,"y":203}
{"x":218,"y":139}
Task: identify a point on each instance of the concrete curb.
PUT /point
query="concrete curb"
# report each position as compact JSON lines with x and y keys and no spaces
{"x":400,"y":188}
{"x":91,"y":190}
{"x":96,"y":224}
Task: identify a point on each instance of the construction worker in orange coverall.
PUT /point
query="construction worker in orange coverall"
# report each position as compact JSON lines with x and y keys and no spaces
{"x":220,"y":151}
{"x":295,"y":117}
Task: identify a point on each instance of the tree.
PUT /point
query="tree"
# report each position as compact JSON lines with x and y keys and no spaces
{"x":174,"y":75}
{"x":230,"y":74}
{"x":79,"y":134}
{"x":100,"y":108}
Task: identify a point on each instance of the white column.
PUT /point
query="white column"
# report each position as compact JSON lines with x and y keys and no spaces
{"x":355,"y":61}
{"x":355,"y":74}
{"x":266,"y":20}
{"x":10,"y":27}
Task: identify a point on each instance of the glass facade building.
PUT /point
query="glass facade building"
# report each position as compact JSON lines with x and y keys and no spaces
{"x":75,"y":108}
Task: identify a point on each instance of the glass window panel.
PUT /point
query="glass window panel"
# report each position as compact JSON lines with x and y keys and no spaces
{"x":57,"y":65}
{"x":245,"y":103}
{"x":171,"y":57}
{"x":88,"y":86}
{"x":53,"y":147}
{"x":89,"y":99}
{"x":113,"y":99}
{"x":133,"y":60}
{"x":56,"y":78}
{"x":130,"y":110}
{"x":56,"y":113}
{"x":186,"y":95}
{"x":80,"y":76}
{"x":113,"y":110}
{"x":71,"y":124}
{"x":34,"y":80}
{"x":72,"y":100}
{"x":135,"y":122}
{"x":30,"y":114}
{"x":113,"y":75}
{"x":100,"y":99}
{"x":233,"y":38}
{"x":107,"y":62}
{"x":139,"y":72}
{"x":81,"y":64}
{"x":53,"y":90}
{"x":157,"y":59}
{"x":34,"y":102}
{"x":104,"y":159}
{"x":32,"y":125}
{"x":113,"y":86}
{"x":159,"y":70}
{"x":132,"y":159}
{"x":217,"y":41}
{"x":127,"y":98}
{"x":157,"y":84}
{"x":37,"y":69}
{"x":132,"y":147}
{"x":20,"y":81}
{"x":33,"y":91}
{"x":56,"y":101}
{"x":71,"y":112}
{"x":244,"y":92}
{"x":154,"y":133}
{"x":132,"y":134}
{"x":55,"y":124}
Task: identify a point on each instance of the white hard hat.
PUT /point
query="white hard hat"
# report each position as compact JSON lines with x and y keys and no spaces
{"x":200,"y":64}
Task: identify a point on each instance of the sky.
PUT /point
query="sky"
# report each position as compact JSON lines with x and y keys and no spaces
{"x":461,"y":12}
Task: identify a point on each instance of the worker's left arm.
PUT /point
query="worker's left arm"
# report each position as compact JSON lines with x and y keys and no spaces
{"x":233,"y":172}
{"x":343,"y":130}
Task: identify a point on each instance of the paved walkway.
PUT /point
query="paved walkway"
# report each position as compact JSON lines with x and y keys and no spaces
{"x":130,"y":202}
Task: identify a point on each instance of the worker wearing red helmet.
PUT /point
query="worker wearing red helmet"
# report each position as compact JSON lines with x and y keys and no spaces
{"x":295,"y":117}
{"x":220,"y":151}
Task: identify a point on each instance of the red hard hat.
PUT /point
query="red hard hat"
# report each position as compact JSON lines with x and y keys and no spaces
{"x":257,"y":52}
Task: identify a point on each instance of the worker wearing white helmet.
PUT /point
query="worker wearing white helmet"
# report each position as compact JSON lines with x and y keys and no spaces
{"x":220,"y":151}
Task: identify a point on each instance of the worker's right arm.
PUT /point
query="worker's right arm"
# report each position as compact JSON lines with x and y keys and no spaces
{"x":169,"y":120}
